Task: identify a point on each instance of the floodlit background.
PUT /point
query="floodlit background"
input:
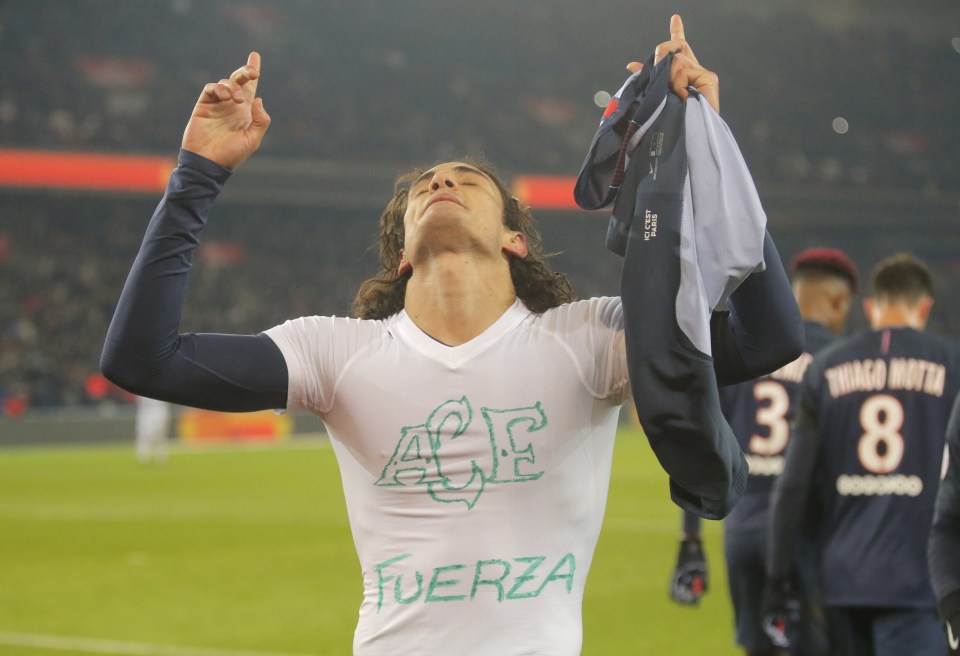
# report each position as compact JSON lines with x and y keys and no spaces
{"x":846,"y":112}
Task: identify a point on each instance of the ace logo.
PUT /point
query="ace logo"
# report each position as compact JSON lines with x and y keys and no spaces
{"x":423,"y":453}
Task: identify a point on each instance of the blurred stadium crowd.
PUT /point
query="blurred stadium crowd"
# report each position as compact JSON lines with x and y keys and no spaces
{"x":827,"y":107}
{"x":423,"y":79}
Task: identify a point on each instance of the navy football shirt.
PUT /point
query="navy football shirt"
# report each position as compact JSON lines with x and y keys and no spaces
{"x":878,"y":405}
{"x":761,"y":412}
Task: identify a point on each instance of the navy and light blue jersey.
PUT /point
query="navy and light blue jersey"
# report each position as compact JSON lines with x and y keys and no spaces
{"x":688,"y":221}
{"x":761,"y":412}
{"x":879,"y":402}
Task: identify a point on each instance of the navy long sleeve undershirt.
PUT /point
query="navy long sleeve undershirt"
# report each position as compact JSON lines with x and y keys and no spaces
{"x":790,"y":495}
{"x":145,"y":353}
{"x":763,"y":329}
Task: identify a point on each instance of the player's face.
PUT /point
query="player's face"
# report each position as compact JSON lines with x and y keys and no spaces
{"x":455,"y":207}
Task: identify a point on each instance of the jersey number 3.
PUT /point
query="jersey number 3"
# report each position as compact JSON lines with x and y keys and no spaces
{"x":773,"y":404}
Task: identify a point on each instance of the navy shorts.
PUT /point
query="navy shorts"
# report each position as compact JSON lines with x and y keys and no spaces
{"x":886,"y":631}
{"x":745,"y":552}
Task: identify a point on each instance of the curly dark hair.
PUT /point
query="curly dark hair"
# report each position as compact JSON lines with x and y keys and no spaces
{"x":536,"y":284}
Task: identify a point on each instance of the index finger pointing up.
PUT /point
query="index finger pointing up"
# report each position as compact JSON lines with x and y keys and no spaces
{"x":253,"y":60}
{"x":676,"y":28}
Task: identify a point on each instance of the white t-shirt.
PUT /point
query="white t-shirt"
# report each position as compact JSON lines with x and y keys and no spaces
{"x":475,"y":476}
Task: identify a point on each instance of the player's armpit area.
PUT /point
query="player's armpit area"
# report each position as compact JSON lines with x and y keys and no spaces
{"x":230,"y":373}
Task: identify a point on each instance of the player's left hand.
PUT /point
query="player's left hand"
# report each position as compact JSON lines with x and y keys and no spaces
{"x":686,"y":71}
{"x":689,"y":579}
{"x":780,"y":612}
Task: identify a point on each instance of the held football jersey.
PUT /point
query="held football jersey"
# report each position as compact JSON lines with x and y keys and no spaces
{"x":881,"y":401}
{"x":475,"y":476}
{"x":760,"y":413}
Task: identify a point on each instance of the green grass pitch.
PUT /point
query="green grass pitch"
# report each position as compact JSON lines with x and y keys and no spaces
{"x":242,"y":551}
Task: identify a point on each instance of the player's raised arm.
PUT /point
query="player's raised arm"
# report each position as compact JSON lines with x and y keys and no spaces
{"x":144,"y":351}
{"x":229,"y":121}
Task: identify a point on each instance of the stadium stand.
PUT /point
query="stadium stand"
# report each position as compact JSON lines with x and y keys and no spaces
{"x":363,"y":82}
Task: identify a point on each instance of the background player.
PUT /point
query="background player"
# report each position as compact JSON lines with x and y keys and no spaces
{"x":944,"y":545}
{"x":152,"y":427}
{"x":868,"y":445}
{"x":825,"y":281}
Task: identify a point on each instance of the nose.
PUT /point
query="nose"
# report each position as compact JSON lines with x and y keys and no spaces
{"x":442,"y":179}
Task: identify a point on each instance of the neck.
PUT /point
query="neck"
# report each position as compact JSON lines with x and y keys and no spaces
{"x":897,"y":317}
{"x":824,"y":301}
{"x":822,"y":314}
{"x":886,"y":313}
{"x":455,"y":298}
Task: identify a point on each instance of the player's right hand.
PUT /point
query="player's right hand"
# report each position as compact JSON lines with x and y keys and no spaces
{"x":689,"y":579}
{"x":780,"y":613}
{"x":685,"y":71}
{"x":228,"y":121}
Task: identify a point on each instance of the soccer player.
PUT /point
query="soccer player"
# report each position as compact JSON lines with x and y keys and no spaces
{"x":868,"y":445}
{"x":151,"y":428}
{"x":944,"y":542}
{"x":760,"y":411}
{"x":472,"y":406}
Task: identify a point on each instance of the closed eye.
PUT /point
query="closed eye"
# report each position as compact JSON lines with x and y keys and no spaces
{"x":470,"y":177}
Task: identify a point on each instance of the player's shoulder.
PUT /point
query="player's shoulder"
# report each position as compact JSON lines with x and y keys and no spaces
{"x":599,"y":311}
{"x":837,"y":350}
{"x":816,"y":336}
{"x":923,"y":345}
{"x":894,"y":342}
{"x":936,"y":342}
{"x":332,"y":325}
{"x":849,"y":346}
{"x":592,"y":304}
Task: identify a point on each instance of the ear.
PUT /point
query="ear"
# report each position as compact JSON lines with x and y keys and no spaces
{"x":516,"y":245}
{"x":868,"y":308}
{"x":923,"y":310}
{"x":841,"y":303}
{"x":836,"y":300}
{"x":404,"y":267}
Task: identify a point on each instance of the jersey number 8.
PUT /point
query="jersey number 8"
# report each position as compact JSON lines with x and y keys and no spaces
{"x":881,"y":417}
